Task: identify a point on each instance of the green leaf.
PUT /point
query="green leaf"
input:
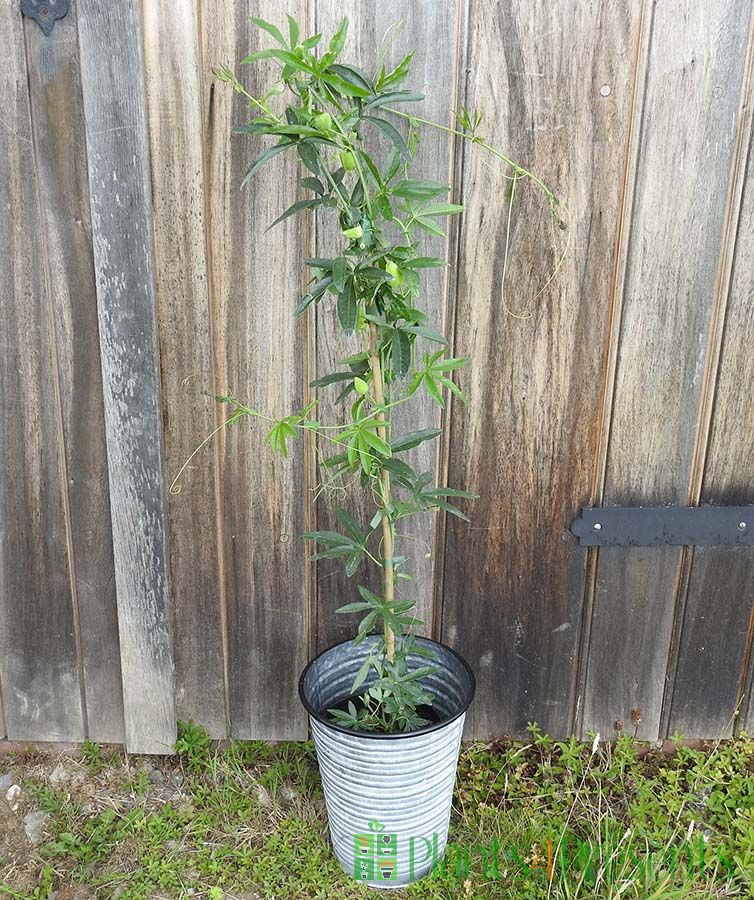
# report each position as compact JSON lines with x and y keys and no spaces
{"x":348,"y":310}
{"x":411,"y":189}
{"x":451,"y":363}
{"x":393,"y":97}
{"x":429,"y":333}
{"x":398,"y":74}
{"x":311,"y":42}
{"x":423,"y":262}
{"x":338,"y":40}
{"x":429,"y":226}
{"x":349,"y":523}
{"x":353,"y":607}
{"x":401,"y":357}
{"x":293,"y":30}
{"x":392,"y":134}
{"x":361,"y":675}
{"x":353,"y":561}
{"x":294,"y":208}
{"x":367,"y":623}
{"x":284,"y":56}
{"x":339,"y":271}
{"x":333,"y":378}
{"x":303,"y":304}
{"x":413,"y":439}
{"x":398,"y":468}
{"x":264,"y":157}
{"x":309,"y":156}
{"x":372,"y":273}
{"x":375,"y":442}
{"x":370,"y":596}
{"x":270,"y":29}
{"x":328,"y":538}
{"x":453,"y":510}
{"x":353,"y":76}
{"x":441,"y":209}
{"x":433,"y":390}
{"x":346,"y":88}
{"x":451,"y":492}
{"x":313,"y":184}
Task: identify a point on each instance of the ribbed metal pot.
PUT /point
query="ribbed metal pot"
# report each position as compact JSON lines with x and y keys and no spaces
{"x":388,"y":796}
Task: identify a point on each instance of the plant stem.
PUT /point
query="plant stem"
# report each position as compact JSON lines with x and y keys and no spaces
{"x":387,"y":526}
{"x":479,"y":142}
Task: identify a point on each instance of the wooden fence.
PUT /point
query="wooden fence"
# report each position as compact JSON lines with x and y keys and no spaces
{"x":138,"y":282}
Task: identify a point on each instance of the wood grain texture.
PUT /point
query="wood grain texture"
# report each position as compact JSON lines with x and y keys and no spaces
{"x":715,"y":640}
{"x":668,"y":295}
{"x":513,"y":578}
{"x":60,"y":146}
{"x":389,"y":30}
{"x":255,"y":285}
{"x":173,"y":79}
{"x":112,"y":71}
{"x":39,"y":667}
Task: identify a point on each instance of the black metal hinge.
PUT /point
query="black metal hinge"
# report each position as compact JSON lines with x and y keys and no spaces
{"x":44,"y":12}
{"x":659,"y":526}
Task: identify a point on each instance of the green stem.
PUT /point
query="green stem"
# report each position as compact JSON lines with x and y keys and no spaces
{"x":520,"y":170}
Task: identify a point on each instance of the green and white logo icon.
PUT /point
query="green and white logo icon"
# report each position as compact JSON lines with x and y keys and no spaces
{"x":375,"y":854}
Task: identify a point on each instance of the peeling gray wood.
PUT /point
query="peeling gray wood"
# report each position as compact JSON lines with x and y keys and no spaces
{"x":38,"y":657}
{"x":527,"y":439}
{"x":671,"y":266}
{"x":255,"y":283}
{"x":60,"y":144}
{"x":112,"y":71}
{"x":174,"y":79}
{"x":391,"y":29}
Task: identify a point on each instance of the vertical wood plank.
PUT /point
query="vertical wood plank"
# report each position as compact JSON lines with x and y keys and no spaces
{"x":715,"y":639}
{"x":668,"y":296}
{"x":429,"y":30}
{"x":173,"y":80}
{"x":555,"y":82}
{"x":60,"y":146}
{"x":38,"y":654}
{"x":112,"y":71}
{"x":255,"y":284}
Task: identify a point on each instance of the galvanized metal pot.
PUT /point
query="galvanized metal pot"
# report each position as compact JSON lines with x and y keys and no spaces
{"x":388,"y":796}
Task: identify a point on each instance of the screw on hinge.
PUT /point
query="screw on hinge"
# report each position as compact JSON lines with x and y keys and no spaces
{"x":742,"y":525}
{"x":597,"y":526}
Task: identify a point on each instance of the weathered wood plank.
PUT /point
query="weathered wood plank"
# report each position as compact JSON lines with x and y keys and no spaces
{"x":715,"y":638}
{"x":112,"y":72}
{"x":60,"y":145}
{"x":174,"y":82}
{"x":38,"y":654}
{"x":430,"y":31}
{"x":255,"y":282}
{"x":668,"y":295}
{"x":555,"y":81}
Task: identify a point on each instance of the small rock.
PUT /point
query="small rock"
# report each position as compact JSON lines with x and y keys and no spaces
{"x":262,"y":796}
{"x":87,"y":809}
{"x":156,"y":777}
{"x":6,"y":781}
{"x":12,"y":796}
{"x":58,"y":776}
{"x":177,"y":779}
{"x":34,"y":823}
{"x":288,"y":794}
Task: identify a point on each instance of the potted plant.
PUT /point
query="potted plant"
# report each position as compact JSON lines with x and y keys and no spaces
{"x":387,"y":708}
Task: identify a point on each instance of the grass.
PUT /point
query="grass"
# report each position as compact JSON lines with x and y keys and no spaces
{"x":531,"y":821}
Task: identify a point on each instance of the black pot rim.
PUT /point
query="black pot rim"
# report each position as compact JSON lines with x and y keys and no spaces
{"x":384,"y":736}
